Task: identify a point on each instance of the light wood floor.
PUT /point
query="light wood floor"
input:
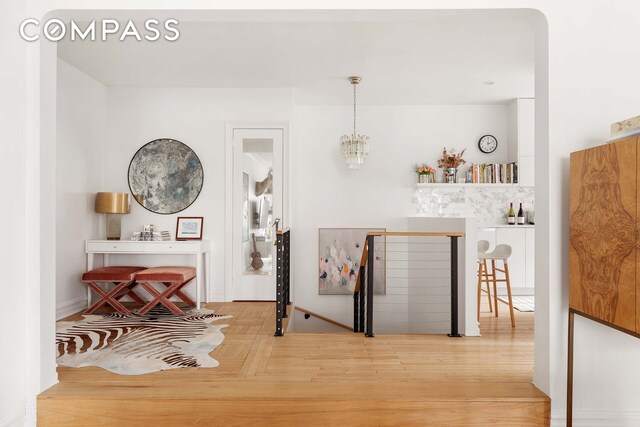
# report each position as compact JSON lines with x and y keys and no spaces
{"x":319,"y":379}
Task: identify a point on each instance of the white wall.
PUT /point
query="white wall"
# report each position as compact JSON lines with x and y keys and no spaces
{"x":587,"y":93}
{"x":13,"y":175}
{"x":80,"y":143}
{"x":325,"y":194}
{"x":196,"y":117}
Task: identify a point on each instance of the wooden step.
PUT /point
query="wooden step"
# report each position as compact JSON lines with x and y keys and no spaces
{"x":318,"y":379}
{"x":293,"y":403}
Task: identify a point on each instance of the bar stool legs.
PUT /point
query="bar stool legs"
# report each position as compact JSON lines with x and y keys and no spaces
{"x":483,"y":277}
{"x":480,"y":273}
{"x":506,"y":273}
{"x":507,"y":280}
{"x":501,"y":253}
{"x":486,"y":275}
{"x":495,"y":284}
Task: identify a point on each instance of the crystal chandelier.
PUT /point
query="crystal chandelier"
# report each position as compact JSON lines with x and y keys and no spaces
{"x":355,"y":148}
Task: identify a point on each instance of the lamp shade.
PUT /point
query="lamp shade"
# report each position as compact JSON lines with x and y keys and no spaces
{"x":112,"y":203}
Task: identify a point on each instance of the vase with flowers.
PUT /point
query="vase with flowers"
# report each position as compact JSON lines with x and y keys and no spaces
{"x":425,"y":173}
{"x":449,"y":163}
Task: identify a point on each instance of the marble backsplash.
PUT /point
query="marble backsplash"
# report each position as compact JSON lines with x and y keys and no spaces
{"x":490,"y":205}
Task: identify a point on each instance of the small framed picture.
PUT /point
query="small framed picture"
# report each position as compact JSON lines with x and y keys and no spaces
{"x":189,"y":228}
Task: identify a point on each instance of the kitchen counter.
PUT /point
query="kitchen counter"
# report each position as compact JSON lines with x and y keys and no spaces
{"x":505,"y":226}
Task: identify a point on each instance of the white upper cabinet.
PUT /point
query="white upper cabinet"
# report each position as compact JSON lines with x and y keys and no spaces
{"x":521,"y":143}
{"x":526,"y":127}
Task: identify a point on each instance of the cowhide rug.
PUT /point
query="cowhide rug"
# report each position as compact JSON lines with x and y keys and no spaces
{"x":131,"y":344}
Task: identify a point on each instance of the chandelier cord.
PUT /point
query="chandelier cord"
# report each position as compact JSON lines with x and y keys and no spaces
{"x":354,"y":109}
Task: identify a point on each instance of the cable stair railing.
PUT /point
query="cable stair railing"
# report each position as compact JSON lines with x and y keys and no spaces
{"x":363,"y":295}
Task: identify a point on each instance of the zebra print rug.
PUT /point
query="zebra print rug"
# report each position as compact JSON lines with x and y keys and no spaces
{"x":130,"y":344}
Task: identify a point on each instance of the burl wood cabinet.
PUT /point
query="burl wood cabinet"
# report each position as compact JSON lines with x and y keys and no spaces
{"x":603,"y":254}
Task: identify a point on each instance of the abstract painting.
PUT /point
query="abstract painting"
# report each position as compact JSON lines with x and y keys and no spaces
{"x":165,"y":176}
{"x":339,"y":260}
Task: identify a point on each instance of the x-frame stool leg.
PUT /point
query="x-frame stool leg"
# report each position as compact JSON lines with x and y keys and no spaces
{"x":110,"y":297}
{"x":161,"y":298}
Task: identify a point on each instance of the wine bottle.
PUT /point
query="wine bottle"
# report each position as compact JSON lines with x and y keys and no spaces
{"x":520,"y":216}
{"x":512,"y":215}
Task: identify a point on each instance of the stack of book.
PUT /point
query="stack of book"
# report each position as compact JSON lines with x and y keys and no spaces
{"x":161,"y":235}
{"x":151,"y":236}
{"x":494,"y":173}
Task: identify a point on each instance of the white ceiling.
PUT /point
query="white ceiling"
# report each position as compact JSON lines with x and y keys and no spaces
{"x":403,"y":57}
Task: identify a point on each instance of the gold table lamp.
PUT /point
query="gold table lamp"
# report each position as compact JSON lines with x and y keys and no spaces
{"x":114,"y":205}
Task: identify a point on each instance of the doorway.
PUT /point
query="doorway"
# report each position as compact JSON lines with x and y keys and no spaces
{"x":43,"y":242}
{"x":257,"y":203}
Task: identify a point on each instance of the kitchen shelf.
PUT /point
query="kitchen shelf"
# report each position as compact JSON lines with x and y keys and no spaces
{"x":467,"y":184}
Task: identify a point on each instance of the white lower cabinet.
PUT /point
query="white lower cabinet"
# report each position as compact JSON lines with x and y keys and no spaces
{"x":530,"y":253}
{"x":488,"y":234}
{"x":521,"y":263}
{"x":515,"y":238}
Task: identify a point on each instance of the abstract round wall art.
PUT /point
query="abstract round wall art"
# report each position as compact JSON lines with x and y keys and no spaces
{"x":165,"y":176}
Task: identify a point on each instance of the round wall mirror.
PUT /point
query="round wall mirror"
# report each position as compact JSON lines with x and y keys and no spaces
{"x":165,"y":176}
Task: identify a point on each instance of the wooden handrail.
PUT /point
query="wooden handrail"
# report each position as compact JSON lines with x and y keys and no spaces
{"x":365,"y":250}
{"x":284,"y":230}
{"x":417,"y":233}
{"x":321,"y":317}
{"x":363,"y":304}
{"x":363,"y":263}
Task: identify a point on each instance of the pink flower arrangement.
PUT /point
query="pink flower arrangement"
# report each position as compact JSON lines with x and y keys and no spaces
{"x":425,"y":170}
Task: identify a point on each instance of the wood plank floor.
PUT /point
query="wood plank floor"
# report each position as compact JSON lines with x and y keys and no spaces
{"x":319,"y":379}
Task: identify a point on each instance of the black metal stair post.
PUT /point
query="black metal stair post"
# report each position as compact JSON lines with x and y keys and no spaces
{"x":370,"y":258}
{"x":285,"y":273}
{"x":361,"y":301}
{"x":454,"y":287}
{"x":280,"y":301}
{"x":287,"y":267}
{"x":356,"y":304}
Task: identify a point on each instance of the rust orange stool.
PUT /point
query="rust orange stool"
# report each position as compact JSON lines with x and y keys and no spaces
{"x":174,"y":278}
{"x":124,"y":280}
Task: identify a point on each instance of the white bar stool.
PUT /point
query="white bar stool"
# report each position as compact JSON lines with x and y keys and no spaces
{"x":483,"y":247}
{"x":501,"y":252}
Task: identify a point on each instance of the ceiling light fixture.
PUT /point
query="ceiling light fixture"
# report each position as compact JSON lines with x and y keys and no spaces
{"x":489,"y":82}
{"x":355,"y":148}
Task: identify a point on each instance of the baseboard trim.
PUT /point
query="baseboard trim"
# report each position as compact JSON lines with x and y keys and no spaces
{"x":13,"y":420}
{"x":597,"y":418}
{"x":70,"y":307}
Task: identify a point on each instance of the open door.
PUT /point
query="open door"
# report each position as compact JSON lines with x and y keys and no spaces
{"x":257,"y":202}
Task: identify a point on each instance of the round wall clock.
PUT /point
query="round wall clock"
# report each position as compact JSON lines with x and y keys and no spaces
{"x":488,"y":144}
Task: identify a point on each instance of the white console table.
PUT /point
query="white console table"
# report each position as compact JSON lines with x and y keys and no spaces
{"x":200,"y":249}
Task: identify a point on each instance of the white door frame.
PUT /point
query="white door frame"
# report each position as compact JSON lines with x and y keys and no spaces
{"x":227,"y":287}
